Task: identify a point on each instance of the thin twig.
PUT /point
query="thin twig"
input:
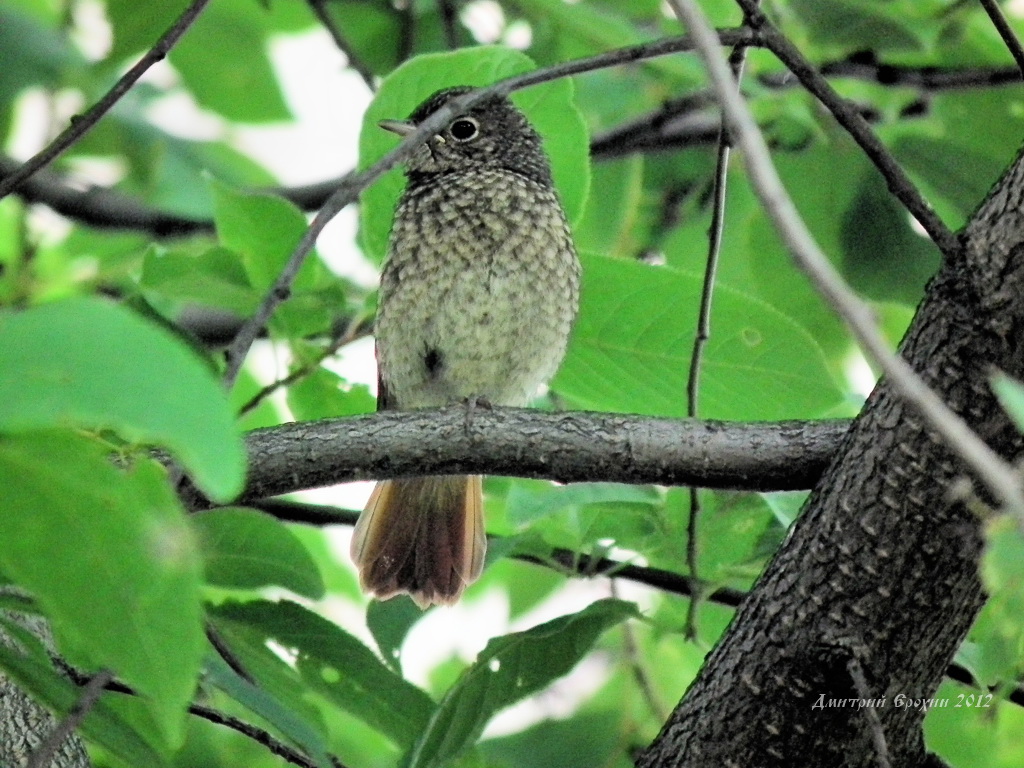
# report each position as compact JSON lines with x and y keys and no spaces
{"x":562,"y":560}
{"x":406,"y":28}
{"x":860,"y":685}
{"x":1005,"y":31}
{"x":224,"y":651}
{"x":634,"y":659}
{"x":355,"y":329}
{"x":260,"y":736}
{"x":703,"y":332}
{"x":928,"y":78}
{"x":319,"y":8}
{"x":446,"y":9}
{"x":353,"y":186}
{"x":42,"y":757}
{"x":1000,"y":476}
{"x":81,"y":124}
{"x":850,"y":118}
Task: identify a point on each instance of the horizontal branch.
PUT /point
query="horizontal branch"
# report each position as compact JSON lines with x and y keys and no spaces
{"x":109,"y":209}
{"x":566,"y":447}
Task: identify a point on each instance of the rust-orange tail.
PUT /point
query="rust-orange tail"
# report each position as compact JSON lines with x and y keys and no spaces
{"x":421,"y":536}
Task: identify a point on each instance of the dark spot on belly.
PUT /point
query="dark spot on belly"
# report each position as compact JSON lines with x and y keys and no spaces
{"x":433,"y":360}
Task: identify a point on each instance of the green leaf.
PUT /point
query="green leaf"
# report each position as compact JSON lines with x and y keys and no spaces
{"x":999,"y":630}
{"x":214,"y":278}
{"x":610,"y":220}
{"x":508,"y":670}
{"x":583,"y":741}
{"x":113,"y":369}
{"x":102,"y":726}
{"x":580,"y":29}
{"x":33,"y":53}
{"x":339,"y":667}
{"x":1011,"y":396}
{"x":886,"y":261}
{"x":528,"y":503}
{"x":857,"y":24}
{"x":633,"y":340}
{"x":389,"y":621}
{"x":247,"y":549}
{"x":126,"y":594}
{"x":549,"y":107}
{"x":374,"y":31}
{"x":324,"y":394}
{"x":270,"y":673}
{"x":270,"y":709}
{"x":264,"y":230}
{"x":223,"y":60}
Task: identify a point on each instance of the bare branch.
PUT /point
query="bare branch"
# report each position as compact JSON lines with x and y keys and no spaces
{"x":703,"y":332}
{"x":1005,"y":31}
{"x":81,"y":124}
{"x":567,"y":447}
{"x":867,"y":67}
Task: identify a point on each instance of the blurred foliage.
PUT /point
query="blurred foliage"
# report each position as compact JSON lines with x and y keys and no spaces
{"x":97,"y":361}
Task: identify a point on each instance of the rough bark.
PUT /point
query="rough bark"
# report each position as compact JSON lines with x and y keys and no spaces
{"x":879,"y":575}
{"x":566,"y":446}
{"x":24,"y":723}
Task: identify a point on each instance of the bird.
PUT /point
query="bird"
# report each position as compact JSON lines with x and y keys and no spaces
{"x":478,"y":295}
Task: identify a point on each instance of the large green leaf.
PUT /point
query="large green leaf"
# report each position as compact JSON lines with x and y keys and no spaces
{"x":126,"y":593}
{"x":633,"y":340}
{"x":247,"y":549}
{"x":89,"y":362}
{"x":508,"y":670}
{"x":999,"y":629}
{"x":339,"y":667}
{"x":214,"y":278}
{"x":549,"y":107}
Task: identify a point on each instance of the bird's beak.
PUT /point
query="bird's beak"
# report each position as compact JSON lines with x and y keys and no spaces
{"x":402,"y":127}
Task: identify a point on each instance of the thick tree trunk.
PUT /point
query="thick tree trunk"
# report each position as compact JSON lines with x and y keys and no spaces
{"x":24,"y":723}
{"x":876,"y":586}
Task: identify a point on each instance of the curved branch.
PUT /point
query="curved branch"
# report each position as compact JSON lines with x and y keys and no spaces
{"x":567,"y":447}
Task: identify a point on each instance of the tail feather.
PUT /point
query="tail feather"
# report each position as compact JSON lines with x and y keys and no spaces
{"x":421,"y":536}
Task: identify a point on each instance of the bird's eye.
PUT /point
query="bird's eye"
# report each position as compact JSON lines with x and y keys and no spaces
{"x":464,"y":129}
